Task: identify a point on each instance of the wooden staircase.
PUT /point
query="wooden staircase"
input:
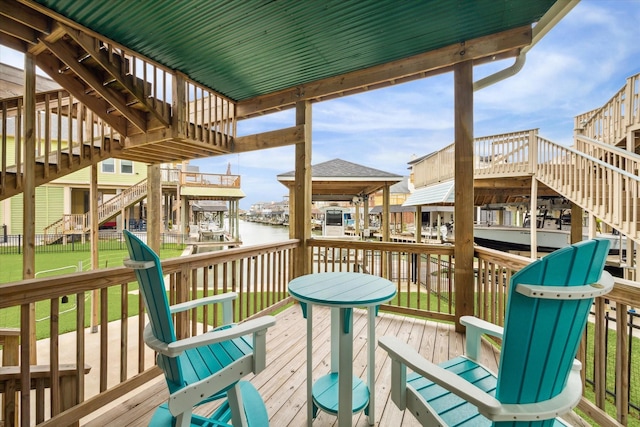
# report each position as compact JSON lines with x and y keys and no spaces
{"x":602,"y":174}
{"x":114,"y":103}
{"x":610,"y":193}
{"x":80,"y":224}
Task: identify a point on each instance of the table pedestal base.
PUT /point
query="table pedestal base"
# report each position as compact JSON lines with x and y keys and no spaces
{"x":325,"y":395}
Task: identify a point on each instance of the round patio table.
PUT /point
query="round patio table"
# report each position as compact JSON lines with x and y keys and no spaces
{"x":342,"y":291}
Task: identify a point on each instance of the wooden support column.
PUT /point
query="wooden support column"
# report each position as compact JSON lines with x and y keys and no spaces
{"x":385,"y":224}
{"x":93,"y":224}
{"x":154,"y":210}
{"x":178,"y":106}
{"x":292,"y":212}
{"x":576,"y":223}
{"x":29,"y":198}
{"x":418,"y":224}
{"x":366,"y":212}
{"x":533,"y":218}
{"x":303,"y":191}
{"x":463,"y":248}
{"x":27,"y":312}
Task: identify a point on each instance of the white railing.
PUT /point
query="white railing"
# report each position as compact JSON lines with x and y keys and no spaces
{"x":612,"y":121}
{"x":606,"y":191}
{"x":503,"y":155}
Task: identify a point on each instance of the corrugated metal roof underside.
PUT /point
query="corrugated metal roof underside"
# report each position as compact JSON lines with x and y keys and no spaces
{"x":244,"y":49}
{"x":439,"y":194}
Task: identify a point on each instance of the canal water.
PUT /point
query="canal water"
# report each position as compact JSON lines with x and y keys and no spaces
{"x":255,"y":233}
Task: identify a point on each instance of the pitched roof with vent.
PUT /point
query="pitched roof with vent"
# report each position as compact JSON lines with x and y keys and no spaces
{"x":340,"y":180}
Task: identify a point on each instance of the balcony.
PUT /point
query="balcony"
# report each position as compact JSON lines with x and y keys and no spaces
{"x":103,"y":365}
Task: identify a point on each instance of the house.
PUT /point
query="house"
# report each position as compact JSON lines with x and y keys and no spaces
{"x":167,"y":82}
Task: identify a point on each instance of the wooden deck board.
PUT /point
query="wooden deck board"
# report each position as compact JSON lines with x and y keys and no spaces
{"x":283,"y":383}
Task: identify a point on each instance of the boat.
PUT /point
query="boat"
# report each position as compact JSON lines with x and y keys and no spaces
{"x":552,"y":233}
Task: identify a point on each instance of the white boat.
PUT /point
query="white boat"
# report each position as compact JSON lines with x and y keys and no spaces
{"x":508,"y":238}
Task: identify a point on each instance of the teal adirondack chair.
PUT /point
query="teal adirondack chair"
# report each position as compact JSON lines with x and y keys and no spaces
{"x":538,"y":376}
{"x":202,"y":368}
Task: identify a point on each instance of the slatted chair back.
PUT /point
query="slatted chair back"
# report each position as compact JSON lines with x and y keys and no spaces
{"x":154,"y":295}
{"x":535,"y":364}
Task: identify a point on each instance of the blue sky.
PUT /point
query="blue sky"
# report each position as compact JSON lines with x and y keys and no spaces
{"x":578,"y":66}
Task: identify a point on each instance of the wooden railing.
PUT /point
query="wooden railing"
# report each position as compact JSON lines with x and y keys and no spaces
{"x":606,"y":368}
{"x":209,"y":180}
{"x":505,"y":155}
{"x":435,"y":168}
{"x":258,"y":274}
{"x":124,"y":199}
{"x":501,"y":155}
{"x":68,"y":137}
{"x":210,"y":116}
{"x":610,"y":193}
{"x":423,"y":274}
{"x":612,"y":121}
{"x":609,"y":154}
{"x":79,"y":223}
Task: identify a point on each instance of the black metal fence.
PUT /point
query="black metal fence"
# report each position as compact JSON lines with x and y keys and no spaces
{"x":108,"y":240}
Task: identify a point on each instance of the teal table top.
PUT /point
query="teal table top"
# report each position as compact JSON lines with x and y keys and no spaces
{"x":342,"y":289}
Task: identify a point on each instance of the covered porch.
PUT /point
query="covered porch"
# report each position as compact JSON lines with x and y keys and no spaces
{"x":123,"y":381}
{"x":182,"y":103}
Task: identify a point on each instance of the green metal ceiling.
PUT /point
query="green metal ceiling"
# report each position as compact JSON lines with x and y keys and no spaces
{"x":248,"y":48}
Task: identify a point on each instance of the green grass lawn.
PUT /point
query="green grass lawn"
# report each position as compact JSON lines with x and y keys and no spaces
{"x":66,"y":262}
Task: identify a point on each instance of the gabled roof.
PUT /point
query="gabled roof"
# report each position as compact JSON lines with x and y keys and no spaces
{"x":338,"y":169}
{"x":340,"y":180}
{"x":249,"y":49}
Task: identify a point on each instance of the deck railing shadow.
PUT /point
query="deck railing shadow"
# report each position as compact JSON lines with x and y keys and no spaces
{"x":425,"y":280}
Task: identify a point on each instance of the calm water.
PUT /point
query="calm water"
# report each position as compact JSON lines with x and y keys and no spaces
{"x":254,"y":233}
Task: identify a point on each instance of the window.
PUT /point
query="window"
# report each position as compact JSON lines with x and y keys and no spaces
{"x":126,"y":166}
{"x":109,"y":166}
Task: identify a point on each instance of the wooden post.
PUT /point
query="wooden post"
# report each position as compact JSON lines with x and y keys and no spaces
{"x":418,"y":224}
{"x":154,"y":210}
{"x":386,"y":217}
{"x":178,"y":107}
{"x":463,"y":248}
{"x":93,"y":227}
{"x":303,"y":190}
{"x":366,"y":212}
{"x":576,"y":223}
{"x":385,"y":224}
{"x":29,"y":201}
{"x":292,"y":212}
{"x":533,"y":218}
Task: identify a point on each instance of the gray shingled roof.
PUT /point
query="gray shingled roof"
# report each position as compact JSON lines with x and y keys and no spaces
{"x":338,"y":168}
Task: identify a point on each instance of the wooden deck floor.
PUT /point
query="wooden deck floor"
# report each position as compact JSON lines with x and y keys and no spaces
{"x":283,"y":383}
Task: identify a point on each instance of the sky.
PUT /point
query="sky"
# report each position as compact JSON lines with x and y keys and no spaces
{"x":578,"y":66}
